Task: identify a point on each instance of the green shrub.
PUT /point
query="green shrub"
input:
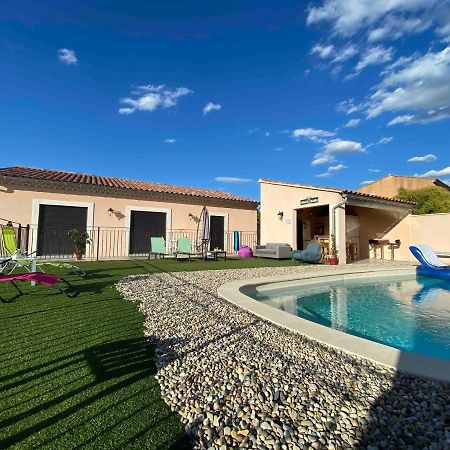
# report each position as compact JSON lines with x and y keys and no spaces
{"x":429,"y":200}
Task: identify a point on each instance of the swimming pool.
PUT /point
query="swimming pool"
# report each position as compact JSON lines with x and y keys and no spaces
{"x":408,"y":313}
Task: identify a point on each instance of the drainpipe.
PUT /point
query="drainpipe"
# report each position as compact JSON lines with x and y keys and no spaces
{"x":333,"y":215}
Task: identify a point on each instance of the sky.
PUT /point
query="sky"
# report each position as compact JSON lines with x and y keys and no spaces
{"x":220,"y":94}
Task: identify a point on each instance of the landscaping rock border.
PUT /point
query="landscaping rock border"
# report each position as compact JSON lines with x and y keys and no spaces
{"x":238,"y":381}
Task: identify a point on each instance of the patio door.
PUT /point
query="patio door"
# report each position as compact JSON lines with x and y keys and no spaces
{"x":217,"y":230}
{"x":143,"y":226}
{"x":53,"y":224}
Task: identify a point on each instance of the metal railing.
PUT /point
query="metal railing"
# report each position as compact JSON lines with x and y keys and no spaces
{"x":114,"y":243}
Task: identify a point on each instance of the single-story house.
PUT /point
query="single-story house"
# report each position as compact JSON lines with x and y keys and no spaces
{"x":364,"y":225}
{"x":119,"y":214}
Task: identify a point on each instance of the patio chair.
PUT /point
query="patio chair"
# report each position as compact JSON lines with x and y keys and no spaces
{"x":312,"y":254}
{"x":157,"y":247}
{"x":24,"y":260}
{"x":184,"y":247}
{"x":36,"y":277}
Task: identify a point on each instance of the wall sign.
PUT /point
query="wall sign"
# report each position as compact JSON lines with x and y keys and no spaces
{"x":309,"y":200}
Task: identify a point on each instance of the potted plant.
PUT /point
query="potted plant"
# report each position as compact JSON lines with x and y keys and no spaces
{"x":333,"y":259}
{"x":80,"y":239}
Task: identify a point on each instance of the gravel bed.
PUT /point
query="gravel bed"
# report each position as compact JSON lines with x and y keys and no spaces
{"x":240,"y":382}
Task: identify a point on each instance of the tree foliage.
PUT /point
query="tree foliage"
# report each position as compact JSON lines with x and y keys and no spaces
{"x":429,"y":200}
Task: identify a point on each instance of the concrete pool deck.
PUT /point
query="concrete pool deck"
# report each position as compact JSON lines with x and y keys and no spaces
{"x":237,"y":292}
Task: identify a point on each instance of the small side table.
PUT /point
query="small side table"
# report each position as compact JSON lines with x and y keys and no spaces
{"x":217,"y":253}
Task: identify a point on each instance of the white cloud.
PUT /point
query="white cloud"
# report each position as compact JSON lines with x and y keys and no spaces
{"x":347,"y":17}
{"x":150,"y":97}
{"x":331,"y":169}
{"x":348,"y":106}
{"x":234,"y":180}
{"x":385,"y":140}
{"x":67,"y":56}
{"x":336,"y":168}
{"x":335,"y":147}
{"x":426,"y":158}
{"x":421,"y":85}
{"x":323,"y":51}
{"x":436,"y":173}
{"x":363,"y":183}
{"x":430,"y":116}
{"x":170,"y":141}
{"x":374,"y":56}
{"x":278,"y":149}
{"x":353,"y":123}
{"x":324,"y":175}
{"x":395,"y":27}
{"x":374,"y":170}
{"x":345,"y":53}
{"x":211,"y":107}
{"x":340,"y":146}
{"x":311,"y":133}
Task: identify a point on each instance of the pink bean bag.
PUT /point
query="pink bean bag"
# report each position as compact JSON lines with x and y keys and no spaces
{"x":245,"y":252}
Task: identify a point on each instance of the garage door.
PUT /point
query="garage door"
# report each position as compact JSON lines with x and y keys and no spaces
{"x":143,"y":226}
{"x":54,"y":223}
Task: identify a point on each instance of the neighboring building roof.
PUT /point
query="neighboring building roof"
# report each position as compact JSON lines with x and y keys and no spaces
{"x":20,"y":172}
{"x":340,"y":191}
{"x":406,"y":178}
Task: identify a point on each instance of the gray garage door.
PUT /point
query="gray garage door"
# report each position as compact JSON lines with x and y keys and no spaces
{"x":143,"y":226}
{"x":54,"y":223}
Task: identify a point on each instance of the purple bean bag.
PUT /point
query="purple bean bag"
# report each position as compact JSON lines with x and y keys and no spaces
{"x":245,"y":252}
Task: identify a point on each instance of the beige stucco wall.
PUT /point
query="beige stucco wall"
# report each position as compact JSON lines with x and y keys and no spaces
{"x":431,"y":229}
{"x":19,"y":204}
{"x":389,"y":185}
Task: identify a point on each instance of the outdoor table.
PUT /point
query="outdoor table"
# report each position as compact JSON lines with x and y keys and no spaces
{"x":216,"y":254}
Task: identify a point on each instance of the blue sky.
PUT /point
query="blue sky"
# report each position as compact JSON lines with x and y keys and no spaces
{"x":220,"y":94}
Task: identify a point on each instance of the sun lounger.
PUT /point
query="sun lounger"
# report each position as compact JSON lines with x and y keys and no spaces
{"x":21,"y":260}
{"x":430,"y":264}
{"x":157,"y":247}
{"x":36,"y":277}
{"x":184,"y":248}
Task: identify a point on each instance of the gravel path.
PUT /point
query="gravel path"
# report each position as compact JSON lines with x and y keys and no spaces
{"x":240,"y":382}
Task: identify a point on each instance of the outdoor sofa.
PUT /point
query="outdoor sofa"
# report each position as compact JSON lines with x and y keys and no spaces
{"x":273,"y":250}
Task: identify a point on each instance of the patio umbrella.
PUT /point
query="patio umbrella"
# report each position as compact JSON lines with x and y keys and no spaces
{"x":236,"y":241}
{"x":206,"y":235}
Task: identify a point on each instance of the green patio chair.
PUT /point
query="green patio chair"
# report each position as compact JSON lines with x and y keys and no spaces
{"x":157,"y":247}
{"x":184,"y":247}
{"x":24,"y":260}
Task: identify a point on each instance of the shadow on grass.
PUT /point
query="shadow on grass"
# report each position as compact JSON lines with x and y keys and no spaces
{"x":113,"y":367}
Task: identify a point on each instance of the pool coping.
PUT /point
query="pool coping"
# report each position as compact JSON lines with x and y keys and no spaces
{"x":413,"y":363}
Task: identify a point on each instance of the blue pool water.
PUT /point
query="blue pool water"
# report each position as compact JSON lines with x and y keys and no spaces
{"x":408,"y":314}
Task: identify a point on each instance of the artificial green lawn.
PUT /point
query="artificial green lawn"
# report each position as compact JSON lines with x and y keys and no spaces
{"x":78,"y":373}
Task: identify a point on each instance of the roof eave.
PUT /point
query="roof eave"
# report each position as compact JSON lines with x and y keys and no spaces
{"x":249,"y":204}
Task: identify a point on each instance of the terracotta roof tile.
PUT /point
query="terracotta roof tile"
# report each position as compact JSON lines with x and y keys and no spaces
{"x":343,"y":191}
{"x":123,"y":183}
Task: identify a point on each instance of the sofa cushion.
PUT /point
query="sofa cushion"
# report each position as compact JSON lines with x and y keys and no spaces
{"x":276,"y":245}
{"x":265,"y":251}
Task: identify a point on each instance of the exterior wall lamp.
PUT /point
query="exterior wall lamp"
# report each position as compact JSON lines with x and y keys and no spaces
{"x":280,"y":215}
{"x":110,"y":211}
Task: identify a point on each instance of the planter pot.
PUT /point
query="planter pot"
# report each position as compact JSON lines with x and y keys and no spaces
{"x":333,"y":261}
{"x":78,"y":255}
